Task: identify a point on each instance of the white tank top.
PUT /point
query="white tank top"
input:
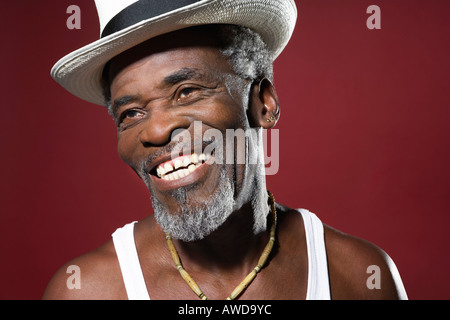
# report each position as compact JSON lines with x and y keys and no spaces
{"x":318,"y":282}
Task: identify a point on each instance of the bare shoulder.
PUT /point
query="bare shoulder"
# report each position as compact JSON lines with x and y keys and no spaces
{"x":95,"y":275}
{"x":359,"y":269}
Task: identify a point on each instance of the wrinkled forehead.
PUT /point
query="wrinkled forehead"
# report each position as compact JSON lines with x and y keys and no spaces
{"x":188,"y":41}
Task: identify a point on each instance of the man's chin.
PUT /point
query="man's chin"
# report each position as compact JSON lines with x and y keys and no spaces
{"x":195,"y":218}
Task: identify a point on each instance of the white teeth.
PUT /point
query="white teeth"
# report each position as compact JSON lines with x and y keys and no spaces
{"x":186,"y":162}
{"x":182,"y":167}
{"x":178,"y":163}
{"x":194,"y":158}
{"x":168,"y":167}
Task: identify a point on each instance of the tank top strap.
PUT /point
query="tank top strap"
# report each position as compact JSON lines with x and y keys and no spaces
{"x":133,"y":278}
{"x":318,"y":281}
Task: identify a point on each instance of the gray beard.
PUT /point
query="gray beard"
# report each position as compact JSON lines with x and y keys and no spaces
{"x":196,"y":220}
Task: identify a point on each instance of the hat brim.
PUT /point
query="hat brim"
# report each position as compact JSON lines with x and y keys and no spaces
{"x":80,"y":72}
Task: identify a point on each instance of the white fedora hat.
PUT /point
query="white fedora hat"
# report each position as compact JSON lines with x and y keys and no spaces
{"x":126,"y":23}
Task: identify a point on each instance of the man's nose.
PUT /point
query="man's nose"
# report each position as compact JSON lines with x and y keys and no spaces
{"x":160,"y":125}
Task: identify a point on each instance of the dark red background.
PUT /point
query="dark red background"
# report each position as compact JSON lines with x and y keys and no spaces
{"x":364,"y":139}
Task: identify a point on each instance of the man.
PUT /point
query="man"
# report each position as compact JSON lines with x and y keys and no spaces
{"x":178,"y":78}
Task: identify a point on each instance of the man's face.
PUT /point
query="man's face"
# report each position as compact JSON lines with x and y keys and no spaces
{"x":157,"y":92}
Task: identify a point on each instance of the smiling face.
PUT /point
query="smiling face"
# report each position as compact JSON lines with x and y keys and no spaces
{"x":157,"y":97}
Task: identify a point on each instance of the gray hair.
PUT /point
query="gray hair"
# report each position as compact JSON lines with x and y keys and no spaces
{"x":244,"y":48}
{"x":247,"y":52}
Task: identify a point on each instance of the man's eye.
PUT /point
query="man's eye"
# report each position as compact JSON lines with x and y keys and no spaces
{"x":130,"y":115}
{"x":184,"y":93}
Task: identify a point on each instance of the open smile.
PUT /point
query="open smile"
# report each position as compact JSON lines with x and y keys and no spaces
{"x":181,"y":167}
{"x":181,"y":171}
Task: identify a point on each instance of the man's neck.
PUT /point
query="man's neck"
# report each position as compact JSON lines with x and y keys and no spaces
{"x":234,"y":247}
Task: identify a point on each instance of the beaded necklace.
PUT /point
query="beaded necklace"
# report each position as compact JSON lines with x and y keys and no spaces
{"x":248,"y":279}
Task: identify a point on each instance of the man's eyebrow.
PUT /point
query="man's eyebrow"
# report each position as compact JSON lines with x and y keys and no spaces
{"x":117,"y":103}
{"x":172,"y":79}
{"x":182,"y":75}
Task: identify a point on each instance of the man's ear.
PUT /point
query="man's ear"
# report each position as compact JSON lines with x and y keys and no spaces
{"x":264,"y":109}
